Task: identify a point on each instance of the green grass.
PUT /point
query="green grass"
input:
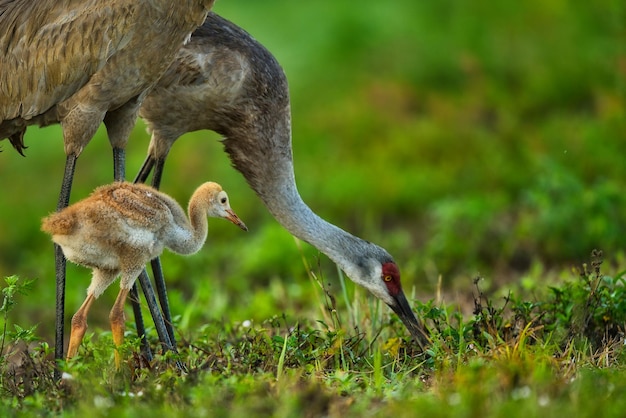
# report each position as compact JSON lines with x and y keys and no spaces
{"x":467,"y":138}
{"x":558,"y":352}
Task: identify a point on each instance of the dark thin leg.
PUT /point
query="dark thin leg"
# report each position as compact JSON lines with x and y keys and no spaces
{"x":157,"y":271}
{"x":145,"y":346}
{"x":144,"y":171}
{"x":141,"y":329}
{"x":148,"y":292}
{"x":66,"y":186}
{"x":119,"y":164}
{"x":119,"y":174}
{"x":158,"y":173}
{"x":60,"y":264}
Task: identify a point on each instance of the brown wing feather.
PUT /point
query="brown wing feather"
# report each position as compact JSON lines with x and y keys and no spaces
{"x":137,"y":204}
{"x":50,"y":49}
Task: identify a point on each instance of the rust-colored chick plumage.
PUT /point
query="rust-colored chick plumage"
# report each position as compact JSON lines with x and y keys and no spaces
{"x":119,"y":228}
{"x":122,"y":226}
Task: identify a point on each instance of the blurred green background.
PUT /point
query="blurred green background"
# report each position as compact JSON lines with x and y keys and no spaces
{"x":465,"y":137}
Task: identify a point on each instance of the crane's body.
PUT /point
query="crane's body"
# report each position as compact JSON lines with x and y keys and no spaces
{"x":225,"y":81}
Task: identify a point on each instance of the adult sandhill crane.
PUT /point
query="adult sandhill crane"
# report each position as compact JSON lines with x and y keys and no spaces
{"x":225,"y":81}
{"x":82,"y":62}
{"x":119,"y":228}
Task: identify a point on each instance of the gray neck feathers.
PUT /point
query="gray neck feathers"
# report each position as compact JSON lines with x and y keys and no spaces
{"x":263,"y":154}
{"x":286,"y":205}
{"x":275,"y":184}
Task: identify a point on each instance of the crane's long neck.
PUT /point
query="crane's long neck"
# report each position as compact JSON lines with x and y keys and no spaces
{"x":287,"y":206}
{"x":268,"y":167}
{"x":189,"y":235}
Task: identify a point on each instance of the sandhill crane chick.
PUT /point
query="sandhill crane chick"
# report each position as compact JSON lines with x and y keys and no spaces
{"x":119,"y":228}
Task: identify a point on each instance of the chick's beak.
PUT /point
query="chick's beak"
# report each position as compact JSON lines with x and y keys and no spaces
{"x":415,"y":327}
{"x":232,"y":216}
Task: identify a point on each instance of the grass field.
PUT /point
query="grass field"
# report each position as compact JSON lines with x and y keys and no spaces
{"x":481,"y":144}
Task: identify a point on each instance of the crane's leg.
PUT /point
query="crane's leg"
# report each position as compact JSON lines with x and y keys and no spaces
{"x":145,"y":170}
{"x":119,"y":124}
{"x":79,"y":121}
{"x":139,"y":324}
{"x":158,"y":173}
{"x":119,"y":164}
{"x":119,"y":174}
{"x":60,"y":270}
{"x":116,"y":317}
{"x":60,"y":264}
{"x":79,"y":326}
{"x":156,"y":315}
{"x":148,"y":292}
{"x":159,"y":280}
{"x":157,"y":270}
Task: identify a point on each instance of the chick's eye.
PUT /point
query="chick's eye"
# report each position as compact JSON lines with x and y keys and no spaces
{"x":387,"y":278}
{"x":224,"y":200}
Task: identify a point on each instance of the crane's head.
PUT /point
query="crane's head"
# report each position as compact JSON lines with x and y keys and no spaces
{"x":379,"y":274}
{"x":218,"y":205}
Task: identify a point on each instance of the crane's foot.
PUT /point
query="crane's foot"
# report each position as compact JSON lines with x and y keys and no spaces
{"x":116,"y":317}
{"x":79,"y":326}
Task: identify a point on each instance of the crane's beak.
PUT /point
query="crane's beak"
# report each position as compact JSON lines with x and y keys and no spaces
{"x":415,"y":327}
{"x":232,"y":216}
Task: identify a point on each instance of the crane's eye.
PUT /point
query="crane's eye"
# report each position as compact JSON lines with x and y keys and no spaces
{"x":224,"y":200}
{"x":387,"y":278}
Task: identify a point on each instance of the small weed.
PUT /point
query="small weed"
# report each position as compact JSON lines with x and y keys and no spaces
{"x":14,"y":287}
{"x":25,"y":368}
{"x":592,"y":307}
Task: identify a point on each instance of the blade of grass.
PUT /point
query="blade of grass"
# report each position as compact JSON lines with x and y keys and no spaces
{"x":281,"y":359}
